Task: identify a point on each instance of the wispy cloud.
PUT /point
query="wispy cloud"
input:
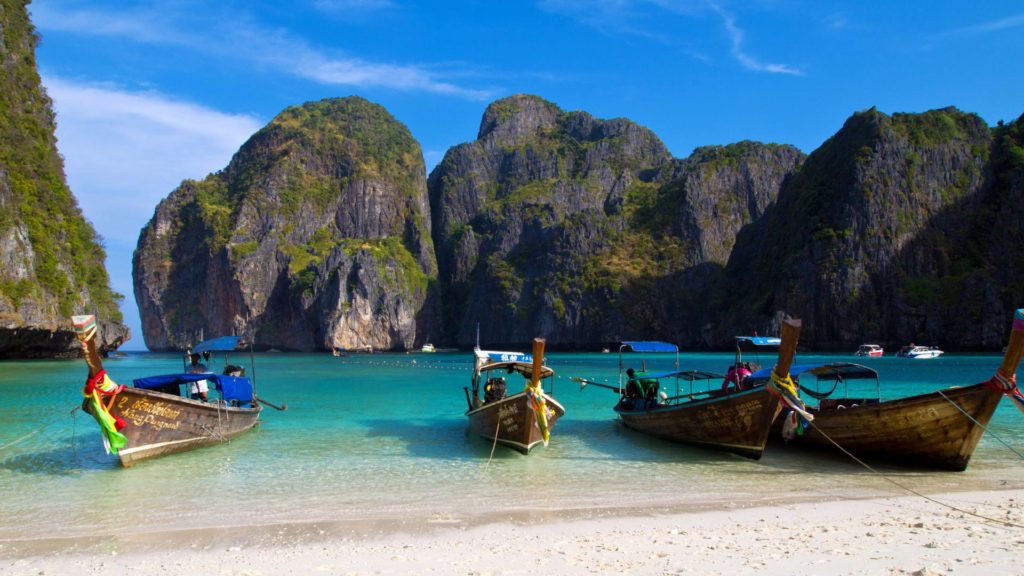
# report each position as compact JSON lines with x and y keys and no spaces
{"x":645,"y":18}
{"x":749,"y":62}
{"x":339,"y":6}
{"x":286,"y":53}
{"x":249,"y":42}
{"x":124,"y":151}
{"x":987,"y":27}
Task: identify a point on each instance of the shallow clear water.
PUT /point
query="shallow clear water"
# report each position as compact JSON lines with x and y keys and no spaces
{"x":384,"y":436}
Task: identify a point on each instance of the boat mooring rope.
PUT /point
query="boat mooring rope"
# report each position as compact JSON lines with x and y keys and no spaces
{"x":909,"y":489}
{"x":488,"y":464}
{"x":983,"y":427}
{"x":38,"y":430}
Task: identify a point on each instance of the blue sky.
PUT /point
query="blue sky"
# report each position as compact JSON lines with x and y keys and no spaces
{"x":150,"y":93}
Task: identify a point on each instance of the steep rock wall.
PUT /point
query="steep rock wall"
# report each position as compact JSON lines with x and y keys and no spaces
{"x":316,"y":235}
{"x":51,"y":260}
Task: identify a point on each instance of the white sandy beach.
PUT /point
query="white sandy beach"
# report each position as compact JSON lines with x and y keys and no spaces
{"x":905,"y":535}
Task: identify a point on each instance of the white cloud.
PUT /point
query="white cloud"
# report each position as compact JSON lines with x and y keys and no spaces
{"x":353,"y":5}
{"x":746,"y":60}
{"x":292,"y":55}
{"x":125,"y":151}
{"x":988,"y":27}
{"x":251,"y":43}
{"x":641,"y":17}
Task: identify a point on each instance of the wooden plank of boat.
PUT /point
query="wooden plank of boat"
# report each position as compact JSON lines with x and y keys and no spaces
{"x":156,"y":423}
{"x":924,"y":430}
{"x":159,"y":424}
{"x":513,"y":421}
{"x":737,"y":422}
{"x":929,"y":430}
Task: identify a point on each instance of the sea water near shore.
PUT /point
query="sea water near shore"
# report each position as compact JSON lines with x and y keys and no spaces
{"x":382,"y":438}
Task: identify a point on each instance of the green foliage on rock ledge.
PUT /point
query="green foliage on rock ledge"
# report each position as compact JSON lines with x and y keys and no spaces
{"x":68,"y":255}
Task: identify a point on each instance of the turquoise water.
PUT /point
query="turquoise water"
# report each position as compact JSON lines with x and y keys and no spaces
{"x":383,"y":436}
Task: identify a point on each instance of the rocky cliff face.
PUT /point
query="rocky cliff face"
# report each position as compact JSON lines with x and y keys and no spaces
{"x":586,"y":230}
{"x":51,"y":262}
{"x":897,"y":229}
{"x":316,"y":235}
{"x":319,"y":233}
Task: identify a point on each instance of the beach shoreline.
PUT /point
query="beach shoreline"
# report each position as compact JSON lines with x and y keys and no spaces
{"x":892,"y":535}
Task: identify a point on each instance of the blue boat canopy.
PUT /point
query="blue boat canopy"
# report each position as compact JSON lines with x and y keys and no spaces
{"x":496,"y":356}
{"x":231,"y":387}
{"x":690,"y":375}
{"x":760,"y":340}
{"x":638,"y":346}
{"x":830,"y":371}
{"x":222,"y":344}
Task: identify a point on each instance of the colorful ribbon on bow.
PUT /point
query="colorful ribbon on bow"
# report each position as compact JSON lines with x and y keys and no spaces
{"x":1007,"y":385}
{"x":540,"y":409}
{"x":96,"y":387}
{"x":785,"y":389}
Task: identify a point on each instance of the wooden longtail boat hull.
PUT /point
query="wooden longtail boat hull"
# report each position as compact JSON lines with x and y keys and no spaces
{"x":924,"y":430}
{"x":159,"y":424}
{"x":739,"y":422}
{"x":513,"y":421}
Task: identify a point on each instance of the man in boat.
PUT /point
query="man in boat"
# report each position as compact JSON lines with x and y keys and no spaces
{"x":198,"y":390}
{"x":633,"y":389}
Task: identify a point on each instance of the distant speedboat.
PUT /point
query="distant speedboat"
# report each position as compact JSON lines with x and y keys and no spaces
{"x":919,"y":352}
{"x":870,"y":350}
{"x":428,"y":348}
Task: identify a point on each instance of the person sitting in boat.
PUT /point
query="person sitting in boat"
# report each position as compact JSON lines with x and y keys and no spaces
{"x":650,"y":387}
{"x":198,"y":390}
{"x":634,"y":391}
{"x":495,"y":389}
{"x":736,"y":375}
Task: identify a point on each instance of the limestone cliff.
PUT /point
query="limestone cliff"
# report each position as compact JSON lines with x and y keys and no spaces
{"x":51,"y":260}
{"x":899,"y":228}
{"x":587,"y":230}
{"x":316,"y":235}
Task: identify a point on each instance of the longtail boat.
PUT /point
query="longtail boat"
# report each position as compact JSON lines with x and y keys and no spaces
{"x":521,"y":420}
{"x":736,"y":421}
{"x":935,"y":430}
{"x":156,"y":416}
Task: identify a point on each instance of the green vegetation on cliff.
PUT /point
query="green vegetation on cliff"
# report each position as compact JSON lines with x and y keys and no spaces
{"x":68,"y":256}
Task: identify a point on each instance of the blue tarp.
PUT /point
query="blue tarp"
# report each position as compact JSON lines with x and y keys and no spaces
{"x":510,"y":357}
{"x":683,"y":374}
{"x":231,"y":387}
{"x":760,"y":340}
{"x":638,"y":346}
{"x":830,"y":371}
{"x":222,"y":344}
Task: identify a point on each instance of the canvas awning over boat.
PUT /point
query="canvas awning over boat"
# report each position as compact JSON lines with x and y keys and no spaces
{"x":760,"y":341}
{"x":498,"y":356}
{"x":644,"y":346}
{"x":221,"y":344}
{"x":231,"y":387}
{"x":689,"y":375}
{"x":523,"y":368}
{"x":829,"y":371}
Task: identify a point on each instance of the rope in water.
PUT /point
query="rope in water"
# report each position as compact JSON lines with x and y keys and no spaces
{"x":37,"y":430}
{"x":983,"y":427}
{"x":497,"y":427}
{"x":909,"y":489}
